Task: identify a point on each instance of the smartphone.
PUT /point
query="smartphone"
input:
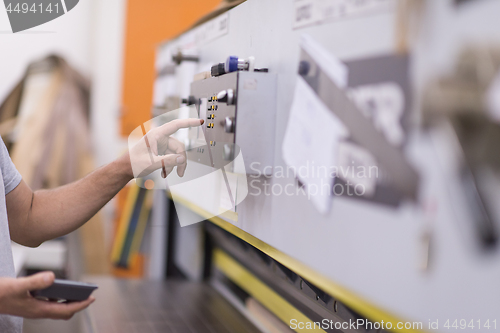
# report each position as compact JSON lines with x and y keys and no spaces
{"x":65,"y":291}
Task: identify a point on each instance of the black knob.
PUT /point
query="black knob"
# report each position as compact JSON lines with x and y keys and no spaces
{"x":189,"y":101}
{"x":304,"y":68}
{"x":218,"y":69}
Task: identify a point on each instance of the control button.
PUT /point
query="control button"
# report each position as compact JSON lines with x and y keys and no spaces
{"x":228,"y":152}
{"x":226,"y":96}
{"x":229,"y":125}
{"x":222,"y":96}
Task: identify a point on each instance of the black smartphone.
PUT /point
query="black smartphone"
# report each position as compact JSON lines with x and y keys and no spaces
{"x":65,"y":291}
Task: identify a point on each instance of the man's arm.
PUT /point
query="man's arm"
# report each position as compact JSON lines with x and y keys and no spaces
{"x":35,"y":217}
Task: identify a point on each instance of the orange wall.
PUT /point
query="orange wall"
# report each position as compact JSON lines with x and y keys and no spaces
{"x":149,"y":23}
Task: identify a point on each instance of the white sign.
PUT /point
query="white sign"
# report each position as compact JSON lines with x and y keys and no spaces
{"x":308,"y":12}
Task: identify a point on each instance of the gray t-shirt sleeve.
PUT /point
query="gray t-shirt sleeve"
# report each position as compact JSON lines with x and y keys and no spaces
{"x":11,"y":177}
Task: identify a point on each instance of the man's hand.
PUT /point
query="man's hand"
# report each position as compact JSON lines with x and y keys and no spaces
{"x":35,"y":217}
{"x":157,"y":149}
{"x":16,"y":300}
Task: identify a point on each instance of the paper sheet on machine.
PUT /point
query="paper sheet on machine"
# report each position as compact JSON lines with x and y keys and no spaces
{"x":310,"y":144}
{"x":313,"y":132}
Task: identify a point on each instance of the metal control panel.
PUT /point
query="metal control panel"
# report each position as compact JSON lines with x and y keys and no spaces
{"x":239,"y":109}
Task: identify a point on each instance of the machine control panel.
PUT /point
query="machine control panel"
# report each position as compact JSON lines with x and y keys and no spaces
{"x":239,"y":109}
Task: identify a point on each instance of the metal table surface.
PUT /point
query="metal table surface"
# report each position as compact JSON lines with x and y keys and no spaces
{"x":134,"y":306}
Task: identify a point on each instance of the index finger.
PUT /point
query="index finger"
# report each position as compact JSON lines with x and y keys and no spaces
{"x":172,"y":127}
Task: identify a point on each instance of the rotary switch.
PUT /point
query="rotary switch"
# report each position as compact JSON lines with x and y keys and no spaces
{"x":228,"y":152}
{"x":226,"y":96}
{"x":229,"y":124}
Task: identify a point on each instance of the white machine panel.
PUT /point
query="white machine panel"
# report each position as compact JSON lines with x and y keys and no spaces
{"x":371,"y":247}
